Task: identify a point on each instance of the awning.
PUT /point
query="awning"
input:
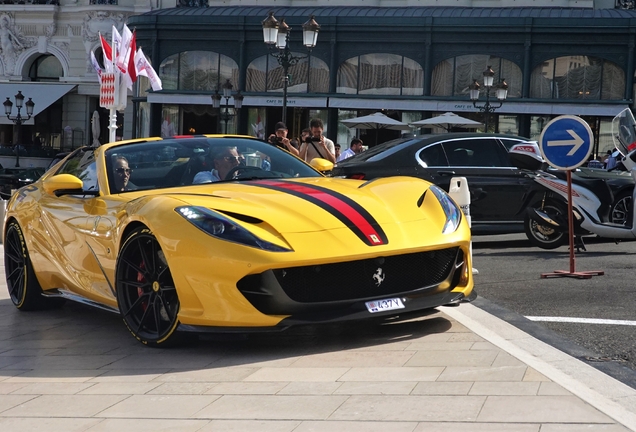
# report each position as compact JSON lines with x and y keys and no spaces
{"x":536,"y":108}
{"x":42,"y":94}
{"x":260,"y":101}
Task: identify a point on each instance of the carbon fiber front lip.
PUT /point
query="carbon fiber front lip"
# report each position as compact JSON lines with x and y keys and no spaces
{"x":355,"y":312}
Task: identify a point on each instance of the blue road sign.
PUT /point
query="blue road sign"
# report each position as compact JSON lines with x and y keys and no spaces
{"x":566,"y":142}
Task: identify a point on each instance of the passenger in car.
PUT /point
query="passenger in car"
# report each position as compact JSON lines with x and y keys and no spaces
{"x":121,"y":175}
{"x":224,"y":160}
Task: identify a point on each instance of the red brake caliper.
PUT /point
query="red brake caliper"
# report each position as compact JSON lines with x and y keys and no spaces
{"x":140,"y":291}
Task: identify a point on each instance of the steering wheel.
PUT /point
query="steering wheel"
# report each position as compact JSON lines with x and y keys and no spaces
{"x":239,"y":170}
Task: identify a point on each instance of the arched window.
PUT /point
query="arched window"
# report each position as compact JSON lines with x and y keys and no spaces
{"x":453,"y":76}
{"x":380,"y":73}
{"x":577,"y":77}
{"x":309,"y":75}
{"x":197,"y":70}
{"x":46,"y":68}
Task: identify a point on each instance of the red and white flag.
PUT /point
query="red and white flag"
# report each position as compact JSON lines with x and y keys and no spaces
{"x":144,"y":68}
{"x":124,"y":51}
{"x":96,"y":66}
{"x":129,"y":75}
{"x":108,"y":54}
{"x":116,"y":43}
{"x":258,"y":129}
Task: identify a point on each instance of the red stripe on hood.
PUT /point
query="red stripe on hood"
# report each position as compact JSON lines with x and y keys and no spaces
{"x":345,"y":209}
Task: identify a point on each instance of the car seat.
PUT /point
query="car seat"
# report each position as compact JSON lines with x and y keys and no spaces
{"x":196,"y":164}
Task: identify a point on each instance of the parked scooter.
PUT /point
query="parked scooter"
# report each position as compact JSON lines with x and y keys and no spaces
{"x":591,"y":199}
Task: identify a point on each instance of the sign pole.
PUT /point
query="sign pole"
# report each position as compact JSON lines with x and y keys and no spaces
{"x":571,"y":222}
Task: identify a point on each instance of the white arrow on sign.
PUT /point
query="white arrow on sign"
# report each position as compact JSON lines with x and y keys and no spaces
{"x":576,"y":142}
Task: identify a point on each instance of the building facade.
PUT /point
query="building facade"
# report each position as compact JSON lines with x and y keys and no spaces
{"x":45,"y":48}
{"x":410,"y":62}
{"x":412,"y":59}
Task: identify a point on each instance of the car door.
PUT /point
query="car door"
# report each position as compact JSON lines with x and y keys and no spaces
{"x":496,"y":192}
{"x":69,"y":222}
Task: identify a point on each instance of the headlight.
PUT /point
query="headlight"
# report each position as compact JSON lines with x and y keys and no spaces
{"x":219,"y":226}
{"x":451,"y":210}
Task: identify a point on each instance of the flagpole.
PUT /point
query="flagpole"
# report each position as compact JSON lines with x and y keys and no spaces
{"x":112,"y":125}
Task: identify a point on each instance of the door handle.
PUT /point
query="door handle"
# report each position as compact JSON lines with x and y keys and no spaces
{"x":446,"y":173}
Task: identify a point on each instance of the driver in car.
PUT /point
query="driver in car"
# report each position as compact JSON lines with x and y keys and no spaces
{"x":225,"y":159}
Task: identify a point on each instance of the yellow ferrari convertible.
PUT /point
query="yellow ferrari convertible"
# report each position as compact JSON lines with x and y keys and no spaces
{"x":220,"y":233}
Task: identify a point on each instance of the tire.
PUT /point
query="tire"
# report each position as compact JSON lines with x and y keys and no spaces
{"x":146,"y":294}
{"x":24,"y":289}
{"x":620,"y":211}
{"x":545,"y":237}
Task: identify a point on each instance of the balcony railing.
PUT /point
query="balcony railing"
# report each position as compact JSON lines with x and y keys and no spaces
{"x":192,"y":3}
{"x":625,"y":4}
{"x":30,"y":2}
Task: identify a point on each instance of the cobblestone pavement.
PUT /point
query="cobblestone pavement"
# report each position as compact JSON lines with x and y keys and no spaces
{"x":78,"y":369}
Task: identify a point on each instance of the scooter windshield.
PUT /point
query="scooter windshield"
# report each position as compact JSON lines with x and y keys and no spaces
{"x":624,"y":132}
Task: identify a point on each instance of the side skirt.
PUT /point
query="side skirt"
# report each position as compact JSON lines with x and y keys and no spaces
{"x":60,"y":293}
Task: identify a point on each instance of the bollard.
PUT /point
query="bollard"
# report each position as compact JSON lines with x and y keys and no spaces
{"x":459,"y":192}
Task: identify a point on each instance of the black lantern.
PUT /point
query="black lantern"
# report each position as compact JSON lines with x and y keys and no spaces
{"x":18,"y":119}
{"x":225,"y":116}
{"x":501,"y":92}
{"x":278,"y":34}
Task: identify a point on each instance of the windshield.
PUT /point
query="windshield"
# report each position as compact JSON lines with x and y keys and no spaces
{"x":176,"y":162}
{"x":624,"y":132}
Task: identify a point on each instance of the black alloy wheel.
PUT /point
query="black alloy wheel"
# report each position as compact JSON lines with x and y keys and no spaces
{"x":146,"y":293}
{"x":543,"y":236}
{"x":620,"y":210}
{"x":24,"y":289}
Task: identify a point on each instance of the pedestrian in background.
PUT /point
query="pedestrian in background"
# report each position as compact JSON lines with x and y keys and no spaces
{"x":354,"y":149}
{"x":612,"y":160}
{"x":337,"y":148}
{"x":279,"y":138}
{"x":317,"y":145}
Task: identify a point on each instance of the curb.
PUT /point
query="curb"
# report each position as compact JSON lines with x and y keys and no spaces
{"x":608,"y":395}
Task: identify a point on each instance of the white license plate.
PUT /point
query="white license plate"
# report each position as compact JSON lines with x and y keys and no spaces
{"x":384,"y":305}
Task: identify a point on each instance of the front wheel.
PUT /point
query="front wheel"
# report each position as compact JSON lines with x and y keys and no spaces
{"x":543,"y":236}
{"x":146,"y":293}
{"x":620,"y":210}
{"x":24,"y":289}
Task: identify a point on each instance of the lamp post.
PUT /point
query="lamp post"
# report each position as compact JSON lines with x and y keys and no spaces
{"x":276,"y":34}
{"x":227,"y":94}
{"x":18,"y":119}
{"x":501,"y":93}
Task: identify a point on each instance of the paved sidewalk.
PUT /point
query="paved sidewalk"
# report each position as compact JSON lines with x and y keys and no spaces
{"x":457,"y":369}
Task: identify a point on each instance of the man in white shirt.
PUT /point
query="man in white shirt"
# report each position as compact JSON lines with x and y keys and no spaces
{"x":225,"y":159}
{"x":354,"y":149}
{"x":317,"y":145}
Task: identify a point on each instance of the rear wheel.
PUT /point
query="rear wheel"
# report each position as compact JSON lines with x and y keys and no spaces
{"x":146,"y":293}
{"x":544,"y":236}
{"x":24,"y":289}
{"x":620,"y":210}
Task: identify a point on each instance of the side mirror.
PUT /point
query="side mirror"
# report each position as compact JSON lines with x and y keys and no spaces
{"x":321,"y":165}
{"x":63,"y":184}
{"x":526,"y":155}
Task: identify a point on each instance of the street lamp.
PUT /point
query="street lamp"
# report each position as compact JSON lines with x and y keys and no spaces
{"x":18,"y":119}
{"x":501,"y":91}
{"x":227,"y":94}
{"x":276,"y":34}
